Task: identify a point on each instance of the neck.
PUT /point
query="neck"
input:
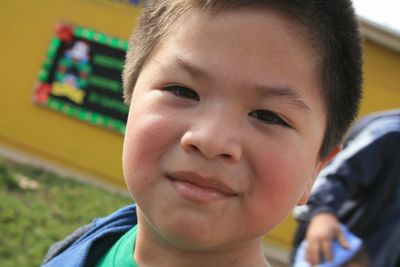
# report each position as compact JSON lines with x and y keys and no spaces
{"x":152,"y":250}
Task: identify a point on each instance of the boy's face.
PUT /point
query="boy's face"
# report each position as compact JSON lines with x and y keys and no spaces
{"x":224,"y":129}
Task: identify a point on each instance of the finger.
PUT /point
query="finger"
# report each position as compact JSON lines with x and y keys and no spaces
{"x":342,"y":240}
{"x":313,"y":253}
{"x":326,"y":247}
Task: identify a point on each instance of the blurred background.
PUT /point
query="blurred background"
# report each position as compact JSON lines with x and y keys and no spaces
{"x":61,"y":108}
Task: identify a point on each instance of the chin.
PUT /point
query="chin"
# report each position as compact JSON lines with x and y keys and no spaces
{"x":195,"y":237}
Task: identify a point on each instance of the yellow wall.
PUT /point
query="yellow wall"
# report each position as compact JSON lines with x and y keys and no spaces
{"x":382,"y":79}
{"x":381,"y":91}
{"x":26,"y":28}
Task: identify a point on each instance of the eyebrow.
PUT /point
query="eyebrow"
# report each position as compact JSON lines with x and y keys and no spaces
{"x":194,"y":71}
{"x":284,"y":92}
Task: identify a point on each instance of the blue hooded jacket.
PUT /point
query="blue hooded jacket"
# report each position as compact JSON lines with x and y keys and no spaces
{"x":87,"y":244}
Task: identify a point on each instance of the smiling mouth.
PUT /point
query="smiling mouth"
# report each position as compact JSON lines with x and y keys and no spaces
{"x":198,"y":188}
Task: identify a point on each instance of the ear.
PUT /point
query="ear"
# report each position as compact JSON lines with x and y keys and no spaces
{"x":318,"y":167}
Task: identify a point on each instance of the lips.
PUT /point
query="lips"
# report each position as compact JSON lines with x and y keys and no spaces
{"x":200,"y":188}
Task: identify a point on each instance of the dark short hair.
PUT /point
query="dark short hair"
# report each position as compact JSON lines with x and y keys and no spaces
{"x":332,"y":29}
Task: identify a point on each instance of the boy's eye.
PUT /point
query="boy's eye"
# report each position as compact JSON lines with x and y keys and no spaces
{"x":182,"y":92}
{"x":268,"y":117}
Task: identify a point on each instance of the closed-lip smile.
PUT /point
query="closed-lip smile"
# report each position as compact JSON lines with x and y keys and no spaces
{"x":200,"y":188}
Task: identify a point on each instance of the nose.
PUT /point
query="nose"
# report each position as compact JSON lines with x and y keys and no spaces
{"x":213,"y":137}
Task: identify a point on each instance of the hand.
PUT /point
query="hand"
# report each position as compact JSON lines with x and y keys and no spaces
{"x":322,"y":230}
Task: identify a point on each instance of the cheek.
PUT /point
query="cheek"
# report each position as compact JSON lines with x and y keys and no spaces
{"x":283,"y":168}
{"x":147,"y":138}
{"x":279,"y":183}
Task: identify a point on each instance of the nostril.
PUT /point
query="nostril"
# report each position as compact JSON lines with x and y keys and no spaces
{"x":211,"y":147}
{"x":195,"y":148}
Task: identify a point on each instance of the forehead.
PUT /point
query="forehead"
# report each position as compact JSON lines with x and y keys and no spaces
{"x":256,"y":17}
{"x":245,"y":46}
{"x":264,"y":30}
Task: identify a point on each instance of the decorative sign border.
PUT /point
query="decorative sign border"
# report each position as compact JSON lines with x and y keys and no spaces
{"x":131,"y":2}
{"x":81,"y":77}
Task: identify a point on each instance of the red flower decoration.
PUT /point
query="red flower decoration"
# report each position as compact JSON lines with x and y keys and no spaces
{"x":64,"y":32}
{"x":42,"y":92}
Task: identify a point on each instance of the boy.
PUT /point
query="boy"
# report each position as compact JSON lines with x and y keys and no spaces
{"x":235,"y":106}
{"x":359,"y":189}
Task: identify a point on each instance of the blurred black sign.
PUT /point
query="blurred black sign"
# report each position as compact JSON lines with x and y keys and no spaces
{"x":81,"y":76}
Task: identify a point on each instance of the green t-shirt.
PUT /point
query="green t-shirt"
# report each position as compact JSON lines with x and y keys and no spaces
{"x":121,"y":253}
